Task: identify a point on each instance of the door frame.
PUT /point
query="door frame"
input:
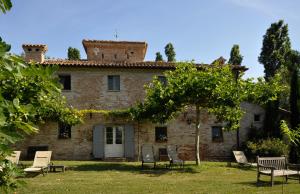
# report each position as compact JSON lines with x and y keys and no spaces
{"x":114,"y":126}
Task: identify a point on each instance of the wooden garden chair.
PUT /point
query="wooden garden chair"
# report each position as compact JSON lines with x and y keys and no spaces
{"x":173,"y":156}
{"x":41,"y":162}
{"x":148,"y":155}
{"x":14,"y":157}
{"x":241,"y":158}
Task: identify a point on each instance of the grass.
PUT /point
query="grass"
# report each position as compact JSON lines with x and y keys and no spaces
{"x":103,"y":177}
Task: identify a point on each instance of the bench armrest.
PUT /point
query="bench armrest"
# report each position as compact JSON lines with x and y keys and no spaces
{"x":297,"y":166}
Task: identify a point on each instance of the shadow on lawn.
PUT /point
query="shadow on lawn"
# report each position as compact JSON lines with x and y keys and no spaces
{"x":243,"y":167}
{"x":264,"y":183}
{"x":125,"y":167}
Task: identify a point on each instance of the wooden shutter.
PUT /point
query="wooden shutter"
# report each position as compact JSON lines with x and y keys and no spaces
{"x":117,"y":83}
{"x":110,"y":82}
{"x":98,"y":141}
{"x":129,"y":141}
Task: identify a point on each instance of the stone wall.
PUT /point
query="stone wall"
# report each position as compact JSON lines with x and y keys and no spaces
{"x":90,"y":87}
{"x":182,"y":134}
{"x":115,"y":51}
{"x":89,"y":90}
{"x":35,"y":53}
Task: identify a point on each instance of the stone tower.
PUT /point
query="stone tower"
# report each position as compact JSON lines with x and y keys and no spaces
{"x":35,"y":52}
{"x":114,"y":51}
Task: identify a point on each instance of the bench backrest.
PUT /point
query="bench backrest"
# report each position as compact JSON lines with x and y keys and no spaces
{"x":278,"y":162}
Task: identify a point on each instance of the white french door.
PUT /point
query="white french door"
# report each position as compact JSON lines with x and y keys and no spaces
{"x":114,"y":142}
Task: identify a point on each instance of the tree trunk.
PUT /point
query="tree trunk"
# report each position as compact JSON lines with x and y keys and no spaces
{"x":271,"y":122}
{"x":294,"y":118}
{"x":197,"y":136}
{"x":138,"y":130}
{"x":294,"y":96}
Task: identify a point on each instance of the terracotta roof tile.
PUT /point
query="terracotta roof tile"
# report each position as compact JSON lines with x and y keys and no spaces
{"x":43,"y":46}
{"x":34,"y":45}
{"x":132,"y":65}
{"x":112,"y":41}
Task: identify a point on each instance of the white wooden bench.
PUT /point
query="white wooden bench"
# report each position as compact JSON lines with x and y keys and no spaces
{"x":275,"y":166}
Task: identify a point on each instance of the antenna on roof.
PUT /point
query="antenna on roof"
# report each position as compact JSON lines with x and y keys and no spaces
{"x":116,"y":35}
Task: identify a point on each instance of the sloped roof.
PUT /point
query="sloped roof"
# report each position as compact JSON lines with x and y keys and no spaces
{"x":132,"y":65}
{"x":112,"y":41}
{"x":42,"y":46}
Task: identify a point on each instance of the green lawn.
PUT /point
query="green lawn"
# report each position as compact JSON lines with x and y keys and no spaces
{"x":104,"y":177}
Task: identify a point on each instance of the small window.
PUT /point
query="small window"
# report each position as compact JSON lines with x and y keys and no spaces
{"x":217,"y":134}
{"x":102,"y":56}
{"x":65,"y":80}
{"x":162,"y":79}
{"x":115,"y":56}
{"x":256,"y":117}
{"x":29,"y":49}
{"x":161,"y":134}
{"x":64,"y":131}
{"x":37,"y":50}
{"x":114,"y":83}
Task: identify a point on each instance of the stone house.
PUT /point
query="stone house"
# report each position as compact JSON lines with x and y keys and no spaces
{"x":113,"y":77}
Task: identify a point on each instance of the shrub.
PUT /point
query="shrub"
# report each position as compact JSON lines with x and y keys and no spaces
{"x":267,"y":147}
{"x":8,"y":177}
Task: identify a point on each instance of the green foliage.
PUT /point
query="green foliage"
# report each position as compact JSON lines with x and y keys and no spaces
{"x":159,"y":57}
{"x":292,"y":136}
{"x":255,"y":134}
{"x":170,"y":52}
{"x":4,"y":47}
{"x":73,"y":54}
{"x":270,"y":148}
{"x":293,"y":68}
{"x":276,"y":46}
{"x":124,"y":113}
{"x":29,"y":95}
{"x":8,"y":174}
{"x":213,"y":88}
{"x":235,"y":57}
{"x":274,"y":56}
{"x":5,"y":5}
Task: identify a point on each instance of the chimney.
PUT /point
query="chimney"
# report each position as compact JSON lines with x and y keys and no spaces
{"x":35,"y":52}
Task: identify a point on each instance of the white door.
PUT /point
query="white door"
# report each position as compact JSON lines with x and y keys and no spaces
{"x":114,"y":142}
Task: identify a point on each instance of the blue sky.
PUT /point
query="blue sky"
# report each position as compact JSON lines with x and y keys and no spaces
{"x":199,"y":30}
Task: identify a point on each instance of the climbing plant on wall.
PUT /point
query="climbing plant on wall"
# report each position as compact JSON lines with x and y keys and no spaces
{"x":213,"y":88}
